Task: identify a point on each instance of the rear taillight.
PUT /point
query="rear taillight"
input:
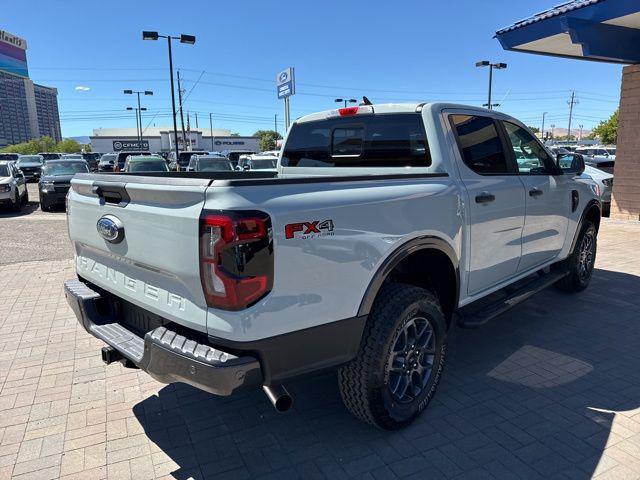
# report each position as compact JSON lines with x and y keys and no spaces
{"x":236,"y":258}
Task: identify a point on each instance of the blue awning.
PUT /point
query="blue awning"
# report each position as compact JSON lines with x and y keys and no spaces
{"x":599,"y":30}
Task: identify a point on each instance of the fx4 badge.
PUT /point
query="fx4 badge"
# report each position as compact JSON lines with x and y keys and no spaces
{"x":305,"y":230}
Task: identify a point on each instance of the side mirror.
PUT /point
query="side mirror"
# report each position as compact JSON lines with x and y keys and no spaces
{"x":572,"y":163}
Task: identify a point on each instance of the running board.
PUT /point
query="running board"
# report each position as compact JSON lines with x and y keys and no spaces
{"x":470,"y":318}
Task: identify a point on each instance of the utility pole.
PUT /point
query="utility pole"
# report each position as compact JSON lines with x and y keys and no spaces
{"x":571,"y":103}
{"x":184,"y":137}
{"x":211,"y":129}
{"x":542,"y":130}
{"x":552,"y":127}
{"x":275,"y":124}
{"x":196,"y":114}
{"x":580,"y":136}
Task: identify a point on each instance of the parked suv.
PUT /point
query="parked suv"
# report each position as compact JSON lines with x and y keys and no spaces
{"x":31,"y":166}
{"x":121,"y":157}
{"x":145,"y":164}
{"x":107,"y":162}
{"x":209,"y":163}
{"x":385,"y":225}
{"x":55,"y":181}
{"x":13,"y":186}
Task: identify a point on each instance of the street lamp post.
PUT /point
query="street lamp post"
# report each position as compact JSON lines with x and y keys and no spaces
{"x":544,"y":114}
{"x":498,"y":66}
{"x":138,"y":121}
{"x":552,"y":127}
{"x":139,"y":116}
{"x":189,"y":40}
{"x":346,"y":100}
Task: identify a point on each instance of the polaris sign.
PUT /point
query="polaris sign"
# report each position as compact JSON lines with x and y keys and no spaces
{"x":121,"y":145}
{"x":229,"y":142}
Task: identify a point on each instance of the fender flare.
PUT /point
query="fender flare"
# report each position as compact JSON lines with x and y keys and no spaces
{"x":403,"y":251}
{"x":593,"y":203}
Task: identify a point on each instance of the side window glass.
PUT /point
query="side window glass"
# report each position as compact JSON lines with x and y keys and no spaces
{"x":530,"y":156}
{"x":480,"y":144}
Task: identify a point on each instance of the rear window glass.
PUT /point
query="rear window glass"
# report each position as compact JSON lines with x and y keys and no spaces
{"x":386,"y":140}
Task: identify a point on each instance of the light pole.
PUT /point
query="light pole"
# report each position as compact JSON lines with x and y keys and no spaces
{"x":552,"y":127}
{"x":580,"y":136}
{"x":139,"y":117}
{"x":211,"y":129}
{"x":498,"y":66}
{"x":138,"y":122}
{"x":544,"y":114}
{"x":346,"y":100}
{"x":189,"y":40}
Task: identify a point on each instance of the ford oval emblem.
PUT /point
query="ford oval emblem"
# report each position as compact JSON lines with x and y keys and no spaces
{"x":110,"y":228}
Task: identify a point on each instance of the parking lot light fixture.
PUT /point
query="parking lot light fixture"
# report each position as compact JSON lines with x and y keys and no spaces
{"x":189,"y":40}
{"x":139,"y":109}
{"x":345,"y":100}
{"x":498,"y":66}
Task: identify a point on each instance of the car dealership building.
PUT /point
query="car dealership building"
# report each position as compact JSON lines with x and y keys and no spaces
{"x":602,"y":31}
{"x":161,"y":139}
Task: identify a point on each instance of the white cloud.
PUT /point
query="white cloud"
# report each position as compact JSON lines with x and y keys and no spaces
{"x":82,"y":88}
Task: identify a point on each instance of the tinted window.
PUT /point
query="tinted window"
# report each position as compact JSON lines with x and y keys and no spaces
{"x":480,"y":144}
{"x":530,"y":156}
{"x":65,"y":168}
{"x":4,"y":171}
{"x":213,"y":165}
{"x":386,"y":140}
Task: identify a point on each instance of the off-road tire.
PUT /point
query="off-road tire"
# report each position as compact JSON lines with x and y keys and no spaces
{"x":574,"y":281}
{"x":363,"y":382}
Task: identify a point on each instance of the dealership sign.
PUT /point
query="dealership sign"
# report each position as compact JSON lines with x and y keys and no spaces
{"x":285,"y":83}
{"x":120,"y":145}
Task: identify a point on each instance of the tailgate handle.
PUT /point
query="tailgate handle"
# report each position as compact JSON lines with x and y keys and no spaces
{"x":112,"y":193}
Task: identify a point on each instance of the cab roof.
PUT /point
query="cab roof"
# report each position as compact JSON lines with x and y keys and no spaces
{"x":408,"y":107}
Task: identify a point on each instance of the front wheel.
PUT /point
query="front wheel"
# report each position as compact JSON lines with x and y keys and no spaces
{"x":16,"y":205}
{"x":400,"y":361}
{"x":581,"y":261}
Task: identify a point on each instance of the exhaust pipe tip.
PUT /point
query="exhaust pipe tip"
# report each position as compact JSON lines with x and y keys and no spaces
{"x":279,"y":397}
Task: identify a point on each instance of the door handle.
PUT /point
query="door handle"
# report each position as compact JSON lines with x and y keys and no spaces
{"x":535,"y":192}
{"x":485,"y":197}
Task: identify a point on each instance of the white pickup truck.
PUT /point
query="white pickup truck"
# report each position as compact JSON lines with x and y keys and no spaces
{"x":382,"y":228}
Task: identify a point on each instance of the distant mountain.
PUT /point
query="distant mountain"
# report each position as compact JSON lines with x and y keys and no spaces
{"x":83,"y":140}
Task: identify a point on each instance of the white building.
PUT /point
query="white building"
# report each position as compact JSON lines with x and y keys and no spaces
{"x":161,"y":139}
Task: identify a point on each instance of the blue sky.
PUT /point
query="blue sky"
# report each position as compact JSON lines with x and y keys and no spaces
{"x":389,"y":51}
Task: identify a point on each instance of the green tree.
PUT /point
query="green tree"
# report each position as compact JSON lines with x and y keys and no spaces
{"x":268,"y":139}
{"x":607,"y":131}
{"x":42,"y":144}
{"x":534,"y":129}
{"x":68,"y":145}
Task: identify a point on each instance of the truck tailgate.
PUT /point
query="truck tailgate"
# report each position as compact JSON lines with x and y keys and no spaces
{"x":155,"y":266}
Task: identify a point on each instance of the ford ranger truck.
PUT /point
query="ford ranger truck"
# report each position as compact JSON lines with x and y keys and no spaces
{"x":383,"y":227}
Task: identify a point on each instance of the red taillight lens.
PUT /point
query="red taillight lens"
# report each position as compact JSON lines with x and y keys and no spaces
{"x":236,"y":258}
{"x":348,"y":111}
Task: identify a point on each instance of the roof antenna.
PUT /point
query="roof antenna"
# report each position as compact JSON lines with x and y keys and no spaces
{"x":365,"y":101}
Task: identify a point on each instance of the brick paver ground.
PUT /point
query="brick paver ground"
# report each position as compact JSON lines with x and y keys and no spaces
{"x":548,"y":390}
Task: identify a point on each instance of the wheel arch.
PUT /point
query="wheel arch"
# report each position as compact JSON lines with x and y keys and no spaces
{"x":426,"y":261}
{"x":592,"y":212}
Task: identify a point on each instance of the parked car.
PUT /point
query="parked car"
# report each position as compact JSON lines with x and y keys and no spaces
{"x":145,"y":164}
{"x":448,"y":204}
{"x":107,"y":162}
{"x":92,"y":160}
{"x":121,"y":157}
{"x":258,"y":162}
{"x":55,"y":181}
{"x":603,"y":179}
{"x":209,"y":163}
{"x":183,"y":159}
{"x":599,"y":157}
{"x":13,"y":186}
{"x":50,"y":156}
{"x":234,"y":156}
{"x":31,"y":166}
{"x":9,"y":157}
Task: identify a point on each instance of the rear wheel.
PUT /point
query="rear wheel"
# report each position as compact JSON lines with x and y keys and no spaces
{"x":581,"y":261}
{"x":25,"y":197}
{"x":16,"y":205}
{"x":400,"y":361}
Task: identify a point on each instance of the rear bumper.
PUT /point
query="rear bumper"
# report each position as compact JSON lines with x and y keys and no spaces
{"x":164,"y":354}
